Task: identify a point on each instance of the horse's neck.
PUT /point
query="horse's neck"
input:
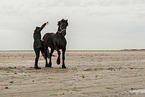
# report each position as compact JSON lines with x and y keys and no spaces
{"x":59,"y":29}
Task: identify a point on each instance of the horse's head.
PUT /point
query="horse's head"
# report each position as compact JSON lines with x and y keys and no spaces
{"x":62,"y":26}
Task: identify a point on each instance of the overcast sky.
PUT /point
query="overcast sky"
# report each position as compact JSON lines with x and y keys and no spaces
{"x":93,"y":24}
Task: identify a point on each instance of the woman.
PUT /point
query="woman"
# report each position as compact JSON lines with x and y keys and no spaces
{"x":37,"y":43}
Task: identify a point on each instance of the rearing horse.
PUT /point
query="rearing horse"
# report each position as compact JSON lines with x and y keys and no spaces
{"x":56,"y":41}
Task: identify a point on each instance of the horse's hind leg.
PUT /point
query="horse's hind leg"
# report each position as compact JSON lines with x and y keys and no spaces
{"x":63,"y":58}
{"x":50,"y":63}
{"x":37,"y":52}
{"x":46,"y":55}
{"x":58,"y":59}
{"x":46,"y":64}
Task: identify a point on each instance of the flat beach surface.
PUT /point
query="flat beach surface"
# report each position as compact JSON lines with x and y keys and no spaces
{"x":88,"y":74}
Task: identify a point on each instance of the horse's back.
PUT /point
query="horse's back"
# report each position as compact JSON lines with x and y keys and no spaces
{"x":48,"y":35}
{"x":48,"y":39}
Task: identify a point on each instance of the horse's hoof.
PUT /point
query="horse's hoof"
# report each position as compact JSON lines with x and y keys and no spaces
{"x":37,"y":67}
{"x":63,"y":67}
{"x":48,"y":65}
{"x":58,"y":62}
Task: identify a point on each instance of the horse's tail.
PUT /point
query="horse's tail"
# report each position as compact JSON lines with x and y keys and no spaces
{"x":43,"y":54}
{"x":43,"y":50}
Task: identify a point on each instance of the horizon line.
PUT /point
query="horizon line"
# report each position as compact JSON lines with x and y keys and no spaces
{"x":73,"y":49}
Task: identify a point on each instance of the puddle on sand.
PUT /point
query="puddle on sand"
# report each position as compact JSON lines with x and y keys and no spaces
{"x":138,"y":91}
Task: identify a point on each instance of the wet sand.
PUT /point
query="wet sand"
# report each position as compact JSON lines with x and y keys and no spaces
{"x":88,"y":74}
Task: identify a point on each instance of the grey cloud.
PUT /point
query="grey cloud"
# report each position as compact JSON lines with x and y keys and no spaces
{"x":98,"y":20}
{"x":94,"y":3}
{"x":119,"y":12}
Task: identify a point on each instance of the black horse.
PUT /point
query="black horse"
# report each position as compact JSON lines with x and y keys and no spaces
{"x":56,"y":41}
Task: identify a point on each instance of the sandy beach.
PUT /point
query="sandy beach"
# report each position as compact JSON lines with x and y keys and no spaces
{"x":88,"y":74}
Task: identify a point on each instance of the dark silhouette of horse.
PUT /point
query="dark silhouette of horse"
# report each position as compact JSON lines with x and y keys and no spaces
{"x":37,"y":43}
{"x":55,"y":41}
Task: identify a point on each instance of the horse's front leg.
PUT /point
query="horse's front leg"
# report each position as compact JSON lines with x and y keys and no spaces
{"x":58,"y":58}
{"x":63,"y":58}
{"x":50,"y":63}
{"x":45,"y":56}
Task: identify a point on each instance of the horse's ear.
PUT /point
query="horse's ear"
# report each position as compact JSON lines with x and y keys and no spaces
{"x":58,"y":23}
{"x":67,"y":22}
